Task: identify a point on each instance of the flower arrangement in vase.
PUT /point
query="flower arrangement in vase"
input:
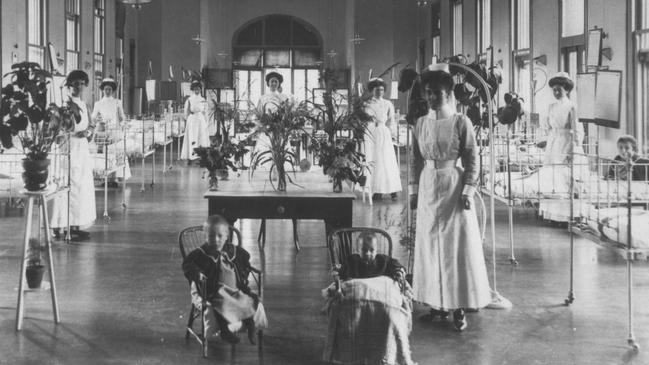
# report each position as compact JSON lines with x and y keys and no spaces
{"x":220,"y":157}
{"x":26,"y":114}
{"x":279,"y":123}
{"x":345,"y":125}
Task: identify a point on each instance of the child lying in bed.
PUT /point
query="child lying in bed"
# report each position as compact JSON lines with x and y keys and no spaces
{"x":627,"y":147}
{"x":224,"y":269}
{"x":369,"y":264}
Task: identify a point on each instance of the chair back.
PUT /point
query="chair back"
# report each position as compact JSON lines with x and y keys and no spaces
{"x":193,"y":237}
{"x":344,"y":242}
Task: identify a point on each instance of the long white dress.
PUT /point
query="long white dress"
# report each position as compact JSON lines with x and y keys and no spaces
{"x":379,"y":151}
{"x":559,"y":125}
{"x":82,"y":188}
{"x":196,"y":132}
{"x":112,"y":114}
{"x":449,"y":270}
{"x":268,"y":102}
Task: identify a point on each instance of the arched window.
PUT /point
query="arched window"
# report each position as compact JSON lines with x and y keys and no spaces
{"x":278,"y":43}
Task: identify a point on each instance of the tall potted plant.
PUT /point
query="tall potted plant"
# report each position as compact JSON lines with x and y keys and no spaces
{"x":25,"y":113}
{"x":279,"y":124}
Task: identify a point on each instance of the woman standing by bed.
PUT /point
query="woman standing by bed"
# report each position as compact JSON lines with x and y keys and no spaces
{"x":449,"y":271}
{"x":196,"y":132}
{"x":561,"y":127}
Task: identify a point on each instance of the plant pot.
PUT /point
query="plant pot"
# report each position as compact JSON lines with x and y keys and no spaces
{"x":338,"y":185}
{"x":34,"y":276}
{"x":35,"y":174}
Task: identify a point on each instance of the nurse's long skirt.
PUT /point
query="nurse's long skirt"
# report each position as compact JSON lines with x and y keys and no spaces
{"x":82,"y":189}
{"x":449,"y":270}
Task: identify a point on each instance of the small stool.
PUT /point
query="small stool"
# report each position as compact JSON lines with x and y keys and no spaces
{"x":40,"y":198}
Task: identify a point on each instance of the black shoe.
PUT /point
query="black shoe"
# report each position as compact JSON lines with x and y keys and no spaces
{"x":250,"y":327}
{"x":228,"y":336}
{"x":459,"y":321}
{"x":393,"y":196}
{"x":56,"y":233}
{"x":376,"y":196}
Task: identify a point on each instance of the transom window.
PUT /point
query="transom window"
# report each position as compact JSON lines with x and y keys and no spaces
{"x":457,"y":27}
{"x":100,"y":42}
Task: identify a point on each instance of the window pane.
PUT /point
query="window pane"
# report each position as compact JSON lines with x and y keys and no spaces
{"x":277,"y":58}
{"x":486,"y":24}
{"x":72,"y":61}
{"x":522,"y":24}
{"x":248,"y":57}
{"x":36,"y":54}
{"x":35,"y":26}
{"x":299,"y":83}
{"x":241,"y":86}
{"x":304,"y":36}
{"x":256,"y":85}
{"x":251,"y":35}
{"x":306,"y":57}
{"x":573,"y":18}
{"x":278,"y":30}
{"x":457,"y":28}
{"x":313,"y":80}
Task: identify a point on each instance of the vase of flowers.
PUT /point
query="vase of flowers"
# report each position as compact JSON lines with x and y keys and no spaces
{"x":25,"y":114}
{"x":218,"y":158}
{"x":278,"y":123}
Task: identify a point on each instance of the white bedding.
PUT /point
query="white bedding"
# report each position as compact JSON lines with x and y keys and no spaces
{"x":612,"y":223}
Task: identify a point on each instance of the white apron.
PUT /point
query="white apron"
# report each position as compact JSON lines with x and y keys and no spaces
{"x":82,"y":188}
{"x":196,"y":132}
{"x":379,"y":150}
{"x":112,"y":114}
{"x":449,"y":270}
{"x":559,"y":126}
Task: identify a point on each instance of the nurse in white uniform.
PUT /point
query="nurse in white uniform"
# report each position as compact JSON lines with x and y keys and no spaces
{"x":82,"y":188}
{"x":109,"y":113}
{"x":196,"y":131}
{"x":379,"y":150}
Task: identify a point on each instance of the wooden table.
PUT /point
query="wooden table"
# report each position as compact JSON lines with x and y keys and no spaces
{"x":242,"y":198}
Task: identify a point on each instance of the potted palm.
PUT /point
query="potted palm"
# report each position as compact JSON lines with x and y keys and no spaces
{"x":25,"y":114}
{"x":279,"y":124}
{"x":34,"y":270}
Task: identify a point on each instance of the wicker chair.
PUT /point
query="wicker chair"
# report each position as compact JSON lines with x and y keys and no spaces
{"x":343,"y":242}
{"x":189,"y":239}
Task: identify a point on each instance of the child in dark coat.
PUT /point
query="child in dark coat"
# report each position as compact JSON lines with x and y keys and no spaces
{"x":219,"y":271}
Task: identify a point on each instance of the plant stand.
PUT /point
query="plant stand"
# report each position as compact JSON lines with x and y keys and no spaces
{"x":40,"y":198}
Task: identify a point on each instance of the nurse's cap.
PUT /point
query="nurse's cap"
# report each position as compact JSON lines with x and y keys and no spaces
{"x":108,"y":81}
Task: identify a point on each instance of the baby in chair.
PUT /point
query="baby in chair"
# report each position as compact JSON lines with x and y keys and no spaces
{"x":369,"y":263}
{"x":224,"y":269}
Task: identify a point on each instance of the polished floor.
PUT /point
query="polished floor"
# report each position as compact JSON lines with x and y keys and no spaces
{"x":123,"y":298}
